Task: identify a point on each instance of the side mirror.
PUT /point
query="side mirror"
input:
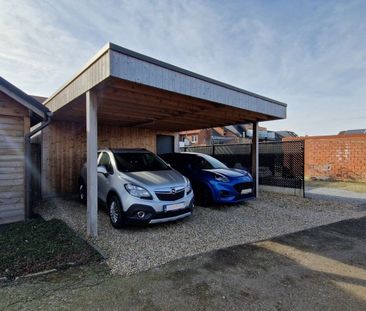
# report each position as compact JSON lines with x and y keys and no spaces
{"x":101,"y":169}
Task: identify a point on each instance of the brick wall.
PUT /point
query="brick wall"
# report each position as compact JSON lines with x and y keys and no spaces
{"x":337,"y":157}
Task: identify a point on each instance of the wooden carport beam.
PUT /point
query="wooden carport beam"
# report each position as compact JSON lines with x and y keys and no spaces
{"x":255,"y":158}
{"x":92,"y":150}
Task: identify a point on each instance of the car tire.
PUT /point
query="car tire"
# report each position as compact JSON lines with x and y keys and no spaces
{"x":115,"y":211}
{"x":82,"y":192}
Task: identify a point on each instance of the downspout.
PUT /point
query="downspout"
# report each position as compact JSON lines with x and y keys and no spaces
{"x":28,"y":162}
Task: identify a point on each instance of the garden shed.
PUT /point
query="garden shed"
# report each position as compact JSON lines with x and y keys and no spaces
{"x":18,"y":112}
{"x":125,"y":99}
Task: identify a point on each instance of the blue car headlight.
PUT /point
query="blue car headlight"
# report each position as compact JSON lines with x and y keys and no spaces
{"x":244,"y":172}
{"x":221,"y":178}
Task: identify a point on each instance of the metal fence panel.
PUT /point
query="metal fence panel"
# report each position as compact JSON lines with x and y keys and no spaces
{"x":281,"y":164}
{"x":201,"y":149}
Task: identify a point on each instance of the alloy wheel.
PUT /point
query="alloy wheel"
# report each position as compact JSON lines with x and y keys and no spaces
{"x":113,"y":211}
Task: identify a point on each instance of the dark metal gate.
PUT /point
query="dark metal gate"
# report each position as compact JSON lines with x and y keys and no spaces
{"x":281,"y":164}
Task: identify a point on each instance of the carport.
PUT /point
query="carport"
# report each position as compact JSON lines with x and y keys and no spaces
{"x":123,"y":88}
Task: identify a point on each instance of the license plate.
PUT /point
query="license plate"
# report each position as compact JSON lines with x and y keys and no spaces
{"x":174,"y":207}
{"x":246,"y":191}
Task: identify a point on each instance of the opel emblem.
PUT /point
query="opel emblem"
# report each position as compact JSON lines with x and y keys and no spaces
{"x":172,"y":190}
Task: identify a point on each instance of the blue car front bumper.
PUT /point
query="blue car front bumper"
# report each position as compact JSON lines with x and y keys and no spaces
{"x":234,"y":191}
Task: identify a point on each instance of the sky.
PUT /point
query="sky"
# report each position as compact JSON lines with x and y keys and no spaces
{"x":308,"y":54}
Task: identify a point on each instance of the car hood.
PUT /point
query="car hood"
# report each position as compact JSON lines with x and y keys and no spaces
{"x":156,"y":179}
{"x":233,"y":173}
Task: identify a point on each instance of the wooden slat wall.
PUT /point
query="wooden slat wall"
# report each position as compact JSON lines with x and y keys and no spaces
{"x":14,"y":122}
{"x":64,"y":151}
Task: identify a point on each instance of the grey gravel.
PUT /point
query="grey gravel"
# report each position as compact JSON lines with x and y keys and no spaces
{"x":136,"y":249}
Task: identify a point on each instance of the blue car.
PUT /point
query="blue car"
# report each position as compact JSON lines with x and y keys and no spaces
{"x":213,"y":182}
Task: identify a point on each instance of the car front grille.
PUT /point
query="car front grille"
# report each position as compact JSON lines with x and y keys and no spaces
{"x":244,"y":185}
{"x":170,"y":196}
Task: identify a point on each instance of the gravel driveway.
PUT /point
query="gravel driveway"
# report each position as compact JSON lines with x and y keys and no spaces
{"x":137,"y":249}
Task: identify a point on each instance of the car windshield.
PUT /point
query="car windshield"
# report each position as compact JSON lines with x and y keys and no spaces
{"x":139,"y":161}
{"x":207,"y":162}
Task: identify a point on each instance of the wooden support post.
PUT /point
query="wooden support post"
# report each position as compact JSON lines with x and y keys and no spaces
{"x":255,"y":158}
{"x":92,"y":150}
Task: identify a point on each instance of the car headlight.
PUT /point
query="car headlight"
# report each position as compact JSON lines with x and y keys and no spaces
{"x":188,"y":188}
{"x":221,"y":178}
{"x":137,"y":191}
{"x":244,"y":172}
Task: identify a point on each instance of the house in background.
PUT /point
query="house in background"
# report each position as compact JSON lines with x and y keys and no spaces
{"x":268,"y":135}
{"x":223,"y":135}
{"x":352,"y":132}
{"x":206,"y":137}
{"x":39,"y":99}
{"x":18,"y":112}
{"x":280,"y":135}
{"x":232,"y":134}
{"x":190,"y":138}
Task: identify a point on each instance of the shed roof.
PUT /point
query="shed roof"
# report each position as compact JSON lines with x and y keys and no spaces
{"x":351,"y":132}
{"x":140,"y":91}
{"x":286,"y":134}
{"x":233,"y":129}
{"x":40,"y":99}
{"x":39,"y":111}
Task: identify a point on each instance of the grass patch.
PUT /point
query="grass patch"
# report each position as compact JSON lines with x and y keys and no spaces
{"x":39,"y":245}
{"x":359,"y":187}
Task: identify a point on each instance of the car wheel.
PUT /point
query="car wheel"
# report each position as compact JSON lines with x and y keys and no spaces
{"x":205,"y":196}
{"x":82,"y":192}
{"x":115,"y":212}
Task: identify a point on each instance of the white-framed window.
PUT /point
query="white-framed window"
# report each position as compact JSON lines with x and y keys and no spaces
{"x":194,"y":139}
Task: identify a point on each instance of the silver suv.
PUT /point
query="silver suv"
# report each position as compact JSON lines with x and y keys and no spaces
{"x":139,"y":187}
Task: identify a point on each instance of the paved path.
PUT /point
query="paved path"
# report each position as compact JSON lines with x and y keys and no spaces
{"x":335,"y":194}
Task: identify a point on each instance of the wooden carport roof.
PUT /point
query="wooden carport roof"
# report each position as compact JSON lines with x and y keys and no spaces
{"x":134,"y":90}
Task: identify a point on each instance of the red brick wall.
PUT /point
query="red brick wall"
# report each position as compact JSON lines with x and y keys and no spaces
{"x":337,"y":157}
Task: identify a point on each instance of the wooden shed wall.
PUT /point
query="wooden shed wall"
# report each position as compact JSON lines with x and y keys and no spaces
{"x":14,"y":124}
{"x":64,"y":151}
